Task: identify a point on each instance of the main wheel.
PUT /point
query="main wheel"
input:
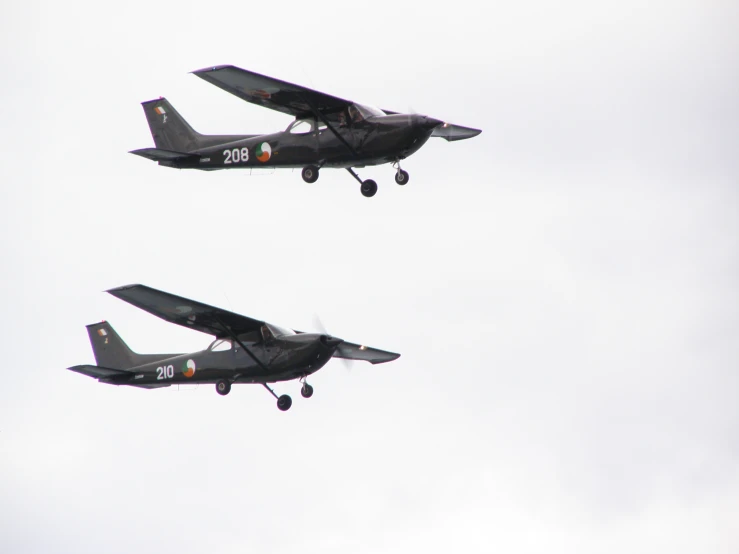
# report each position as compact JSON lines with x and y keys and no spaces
{"x":284,"y":402}
{"x":306,"y":391}
{"x":310,"y":174}
{"x":401,"y":177}
{"x":223,"y":387}
{"x":368,"y":188}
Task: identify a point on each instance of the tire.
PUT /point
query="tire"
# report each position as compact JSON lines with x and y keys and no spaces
{"x":401,"y":177}
{"x":368,"y":188}
{"x":284,"y":402}
{"x":306,"y":391}
{"x":310,"y":174}
{"x":223,"y":387}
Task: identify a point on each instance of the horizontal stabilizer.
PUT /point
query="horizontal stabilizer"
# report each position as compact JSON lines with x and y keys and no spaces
{"x":452,"y":132}
{"x":160,"y":155}
{"x":99,"y":372}
{"x":350,"y":351}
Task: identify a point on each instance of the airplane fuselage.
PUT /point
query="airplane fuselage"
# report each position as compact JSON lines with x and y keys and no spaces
{"x":376,"y":140}
{"x":280,"y":359}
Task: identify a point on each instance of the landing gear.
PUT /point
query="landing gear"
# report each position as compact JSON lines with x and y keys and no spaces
{"x":310,"y":174}
{"x":223,"y":387}
{"x":306,"y":391}
{"x":367,"y":187}
{"x":283,"y":402}
{"x":401,"y":177}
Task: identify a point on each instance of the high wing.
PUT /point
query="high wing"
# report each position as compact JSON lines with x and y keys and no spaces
{"x":351,"y":351}
{"x":271,"y":93}
{"x":185,"y":312}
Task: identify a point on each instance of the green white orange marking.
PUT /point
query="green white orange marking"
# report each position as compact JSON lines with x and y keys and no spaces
{"x":264,"y":152}
{"x":188,"y":370}
{"x":159,"y":110}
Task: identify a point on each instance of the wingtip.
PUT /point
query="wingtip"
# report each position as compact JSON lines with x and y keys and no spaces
{"x":209,"y":69}
{"x":393,"y":356}
{"x":122,"y":288}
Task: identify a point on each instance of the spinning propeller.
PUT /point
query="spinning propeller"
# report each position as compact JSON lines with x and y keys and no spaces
{"x":318,"y":324}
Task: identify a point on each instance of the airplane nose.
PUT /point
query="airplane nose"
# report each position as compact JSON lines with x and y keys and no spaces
{"x":330,"y":342}
{"x":427,"y":123}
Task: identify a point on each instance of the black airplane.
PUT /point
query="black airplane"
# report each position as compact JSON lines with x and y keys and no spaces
{"x":244,"y":350}
{"x":327,"y":132}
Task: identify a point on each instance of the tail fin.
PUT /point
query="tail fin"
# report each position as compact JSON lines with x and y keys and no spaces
{"x":169,"y":129}
{"x":111,"y":352}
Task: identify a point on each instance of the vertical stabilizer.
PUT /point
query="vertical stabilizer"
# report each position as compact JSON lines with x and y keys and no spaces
{"x":168,"y":128}
{"x":109,"y":348}
{"x":111,"y":352}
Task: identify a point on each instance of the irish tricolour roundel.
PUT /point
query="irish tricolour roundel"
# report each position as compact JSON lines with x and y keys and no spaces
{"x":188,"y":370}
{"x":264,"y":152}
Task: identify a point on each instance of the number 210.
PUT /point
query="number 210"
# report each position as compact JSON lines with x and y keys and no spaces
{"x":236,"y":155}
{"x":165,"y":372}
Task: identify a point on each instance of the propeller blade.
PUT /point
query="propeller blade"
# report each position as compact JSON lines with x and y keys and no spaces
{"x":318,"y":324}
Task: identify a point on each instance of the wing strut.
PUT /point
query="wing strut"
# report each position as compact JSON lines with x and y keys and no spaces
{"x":241,"y":344}
{"x":319,"y":115}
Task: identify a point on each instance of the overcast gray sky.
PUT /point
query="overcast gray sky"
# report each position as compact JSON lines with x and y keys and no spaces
{"x":562,"y":288}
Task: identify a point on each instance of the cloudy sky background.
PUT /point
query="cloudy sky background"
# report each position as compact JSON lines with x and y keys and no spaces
{"x":562,"y":288}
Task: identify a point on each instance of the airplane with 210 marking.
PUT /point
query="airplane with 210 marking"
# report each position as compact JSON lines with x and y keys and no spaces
{"x":244,"y":350}
{"x":327,"y":132}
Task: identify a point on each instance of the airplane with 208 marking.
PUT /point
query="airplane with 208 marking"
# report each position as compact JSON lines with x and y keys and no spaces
{"x":327,"y":132}
{"x":244,"y":350}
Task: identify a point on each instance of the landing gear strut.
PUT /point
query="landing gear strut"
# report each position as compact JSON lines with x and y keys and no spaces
{"x":310,"y":174}
{"x":306,"y":391}
{"x":223,"y":387}
{"x":283,"y":402}
{"x":368,"y":187}
{"x":401,"y":177}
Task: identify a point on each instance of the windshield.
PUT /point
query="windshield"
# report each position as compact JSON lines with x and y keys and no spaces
{"x":369,"y":111}
{"x":279,"y":331}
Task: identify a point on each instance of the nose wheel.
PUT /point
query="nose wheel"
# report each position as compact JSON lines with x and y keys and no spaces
{"x":310,"y":174}
{"x":401,"y":177}
{"x":223,"y":387}
{"x":306,"y":391}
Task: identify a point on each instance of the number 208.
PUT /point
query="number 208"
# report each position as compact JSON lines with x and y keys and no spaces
{"x":236,"y":155}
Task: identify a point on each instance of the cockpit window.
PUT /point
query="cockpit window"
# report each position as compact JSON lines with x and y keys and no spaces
{"x":358,"y":112}
{"x":355,"y":116}
{"x":220,"y":345}
{"x":280,"y":331}
{"x":369,"y":111}
{"x":300,"y":127}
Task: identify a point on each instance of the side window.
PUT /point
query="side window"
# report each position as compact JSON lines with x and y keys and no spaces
{"x":301,"y":127}
{"x":221,"y":346}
